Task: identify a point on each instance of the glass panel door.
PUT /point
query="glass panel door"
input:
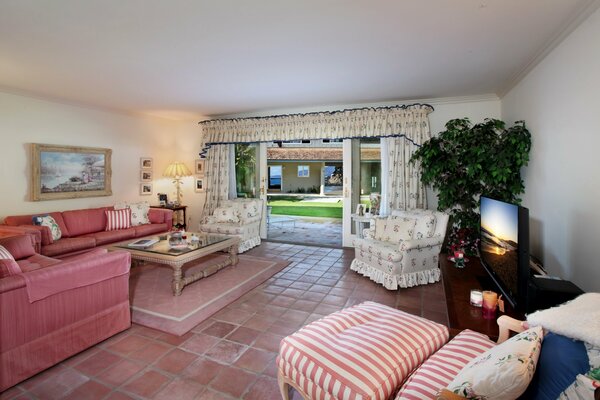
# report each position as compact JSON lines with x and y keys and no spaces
{"x":246,"y":164}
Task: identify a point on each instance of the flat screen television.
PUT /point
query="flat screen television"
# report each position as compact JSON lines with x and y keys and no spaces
{"x":504,"y":248}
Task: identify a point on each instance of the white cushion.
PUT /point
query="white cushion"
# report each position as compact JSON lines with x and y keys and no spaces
{"x":380,"y":224}
{"x":426,"y":221}
{"x":398,"y":229}
{"x":504,"y":371}
{"x":139,"y":212}
{"x":47,"y":220}
{"x":227,"y":215}
{"x":5,"y":254}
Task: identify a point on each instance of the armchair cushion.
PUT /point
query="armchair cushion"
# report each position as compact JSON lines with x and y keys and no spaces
{"x":383,"y":250}
{"x":398,"y":229}
{"x":226,"y":215}
{"x":425,"y":225}
{"x":421,"y":243}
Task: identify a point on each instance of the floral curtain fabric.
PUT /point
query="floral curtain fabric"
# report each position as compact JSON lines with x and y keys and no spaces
{"x":404,"y":189}
{"x":406,"y":121}
{"x":216,"y":177}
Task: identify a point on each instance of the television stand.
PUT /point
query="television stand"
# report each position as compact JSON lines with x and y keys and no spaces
{"x":458,"y":283}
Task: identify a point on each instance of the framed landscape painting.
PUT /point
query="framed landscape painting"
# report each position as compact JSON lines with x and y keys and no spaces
{"x":68,"y":172}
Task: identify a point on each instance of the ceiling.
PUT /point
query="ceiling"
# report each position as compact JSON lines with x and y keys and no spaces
{"x":187,"y":58}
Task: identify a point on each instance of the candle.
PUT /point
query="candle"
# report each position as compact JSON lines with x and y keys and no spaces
{"x":476,"y":298}
{"x":490,"y":301}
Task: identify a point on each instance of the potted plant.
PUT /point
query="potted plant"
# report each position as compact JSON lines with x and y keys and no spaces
{"x":466,"y":161}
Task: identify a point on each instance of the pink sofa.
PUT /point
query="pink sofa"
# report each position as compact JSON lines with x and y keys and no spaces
{"x":85,"y":229}
{"x":54,"y":309}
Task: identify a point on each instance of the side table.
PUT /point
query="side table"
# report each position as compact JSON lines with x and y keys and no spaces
{"x":176,"y":209}
{"x":360,"y":221}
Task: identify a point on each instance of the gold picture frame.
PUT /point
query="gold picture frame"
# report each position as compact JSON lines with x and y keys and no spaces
{"x":69,"y":172}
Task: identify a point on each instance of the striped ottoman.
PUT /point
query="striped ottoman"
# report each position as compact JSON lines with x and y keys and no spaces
{"x":362,"y":352}
{"x":441,"y":368}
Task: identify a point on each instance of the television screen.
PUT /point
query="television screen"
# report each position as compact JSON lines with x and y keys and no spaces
{"x":500,"y":243}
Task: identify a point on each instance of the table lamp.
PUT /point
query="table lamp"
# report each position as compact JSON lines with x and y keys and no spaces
{"x":177,"y":170}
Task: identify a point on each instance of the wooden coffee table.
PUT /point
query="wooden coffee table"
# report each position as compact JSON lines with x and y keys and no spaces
{"x":161,"y":253}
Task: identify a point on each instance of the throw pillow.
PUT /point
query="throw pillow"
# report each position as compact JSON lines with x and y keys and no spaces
{"x":425,"y":225}
{"x":399,"y":229}
{"x":578,"y":319}
{"x":226,"y":215}
{"x":250,"y":209}
{"x":380,"y":224}
{"x":139,"y":212}
{"x":5,"y":254}
{"x":118,"y":219}
{"x":561,"y":360}
{"x":504,"y":371}
{"x":48,"y":221}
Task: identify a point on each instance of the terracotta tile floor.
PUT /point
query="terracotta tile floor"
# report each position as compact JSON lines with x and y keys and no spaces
{"x":231,"y":355}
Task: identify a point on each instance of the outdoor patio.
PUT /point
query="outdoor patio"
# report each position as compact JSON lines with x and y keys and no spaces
{"x":305,"y":230}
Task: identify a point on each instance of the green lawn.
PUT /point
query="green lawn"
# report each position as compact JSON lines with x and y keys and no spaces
{"x":306,"y":208}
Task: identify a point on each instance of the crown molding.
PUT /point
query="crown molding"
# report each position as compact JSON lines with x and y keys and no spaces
{"x":572,"y":23}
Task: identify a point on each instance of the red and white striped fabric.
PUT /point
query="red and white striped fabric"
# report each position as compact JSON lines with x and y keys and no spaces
{"x":441,"y":368}
{"x":362,"y":352}
{"x":118,"y":219}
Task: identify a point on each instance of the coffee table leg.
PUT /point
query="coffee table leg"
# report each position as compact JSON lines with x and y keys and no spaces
{"x":177,"y":283}
{"x":233,"y":254}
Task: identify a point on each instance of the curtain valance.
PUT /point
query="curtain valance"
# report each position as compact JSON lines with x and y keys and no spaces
{"x":409,"y":121}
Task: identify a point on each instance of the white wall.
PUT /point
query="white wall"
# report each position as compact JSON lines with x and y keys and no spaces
{"x":25,"y":120}
{"x":559,"y":100}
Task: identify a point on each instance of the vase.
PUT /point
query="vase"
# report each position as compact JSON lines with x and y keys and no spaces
{"x":375,"y":199}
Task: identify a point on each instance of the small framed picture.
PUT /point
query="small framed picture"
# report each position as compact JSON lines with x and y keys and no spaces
{"x":360,"y":209}
{"x":145,"y":189}
{"x":146,"y":163}
{"x":199,"y":185}
{"x":200,"y":167}
{"x":146,"y":175}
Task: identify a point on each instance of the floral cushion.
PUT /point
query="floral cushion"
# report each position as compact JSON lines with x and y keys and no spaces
{"x":379,"y":249}
{"x":380,"y":224}
{"x":398,"y":229}
{"x":584,"y":387}
{"x":139,"y":212}
{"x":503,"y":372}
{"x":226,"y":215}
{"x":249,"y":209}
{"x":425,"y":225}
{"x":48,"y":221}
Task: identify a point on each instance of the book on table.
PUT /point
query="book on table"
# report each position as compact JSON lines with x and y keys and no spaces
{"x":143,"y":243}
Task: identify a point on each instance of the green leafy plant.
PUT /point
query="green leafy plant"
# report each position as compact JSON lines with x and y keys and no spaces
{"x":466,"y":161}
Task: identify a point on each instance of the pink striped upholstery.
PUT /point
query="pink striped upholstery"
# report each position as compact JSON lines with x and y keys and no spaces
{"x":441,"y":368}
{"x":118,"y":219}
{"x":362,"y":352}
{"x":5,"y":254}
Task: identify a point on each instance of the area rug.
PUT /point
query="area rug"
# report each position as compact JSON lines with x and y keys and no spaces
{"x":153,"y":304}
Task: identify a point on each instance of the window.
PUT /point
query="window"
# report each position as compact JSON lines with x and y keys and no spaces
{"x":275,"y":173}
{"x":303,"y":171}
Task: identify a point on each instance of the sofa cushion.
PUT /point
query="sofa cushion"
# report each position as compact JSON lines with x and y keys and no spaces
{"x":383,"y":250}
{"x":17,"y":247}
{"x":68,"y":245}
{"x":107,"y":237}
{"x":398,"y":229}
{"x":118,"y":219}
{"x":139,"y":212}
{"x":8,"y":267}
{"x":36,"y":262}
{"x":439,"y":369}
{"x":364,"y":351}
{"x":49,"y":222}
{"x":151,"y":229}
{"x":504,"y":371}
{"x":426,"y":221}
{"x":80,"y":222}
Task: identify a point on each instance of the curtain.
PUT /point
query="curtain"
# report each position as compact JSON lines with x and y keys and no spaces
{"x":399,"y":121}
{"x":404,"y":189}
{"x":232,"y":173}
{"x":216,"y":177}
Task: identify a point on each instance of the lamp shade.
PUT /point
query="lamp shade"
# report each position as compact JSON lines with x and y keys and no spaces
{"x":177,"y":170}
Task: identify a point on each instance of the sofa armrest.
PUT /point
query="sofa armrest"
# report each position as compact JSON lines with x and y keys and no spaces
{"x":508,"y":324}
{"x":369,"y":233}
{"x":209,"y":220}
{"x":35,"y":231}
{"x":19,"y":246}
{"x":421,"y":243}
{"x":247,"y":221}
{"x":76,"y":273}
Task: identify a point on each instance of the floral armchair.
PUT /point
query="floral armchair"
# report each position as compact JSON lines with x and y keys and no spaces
{"x":402,"y":250}
{"x":239,"y":217}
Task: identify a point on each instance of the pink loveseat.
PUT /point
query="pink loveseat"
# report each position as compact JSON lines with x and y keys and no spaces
{"x":54,"y":309}
{"x":85,"y":229}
